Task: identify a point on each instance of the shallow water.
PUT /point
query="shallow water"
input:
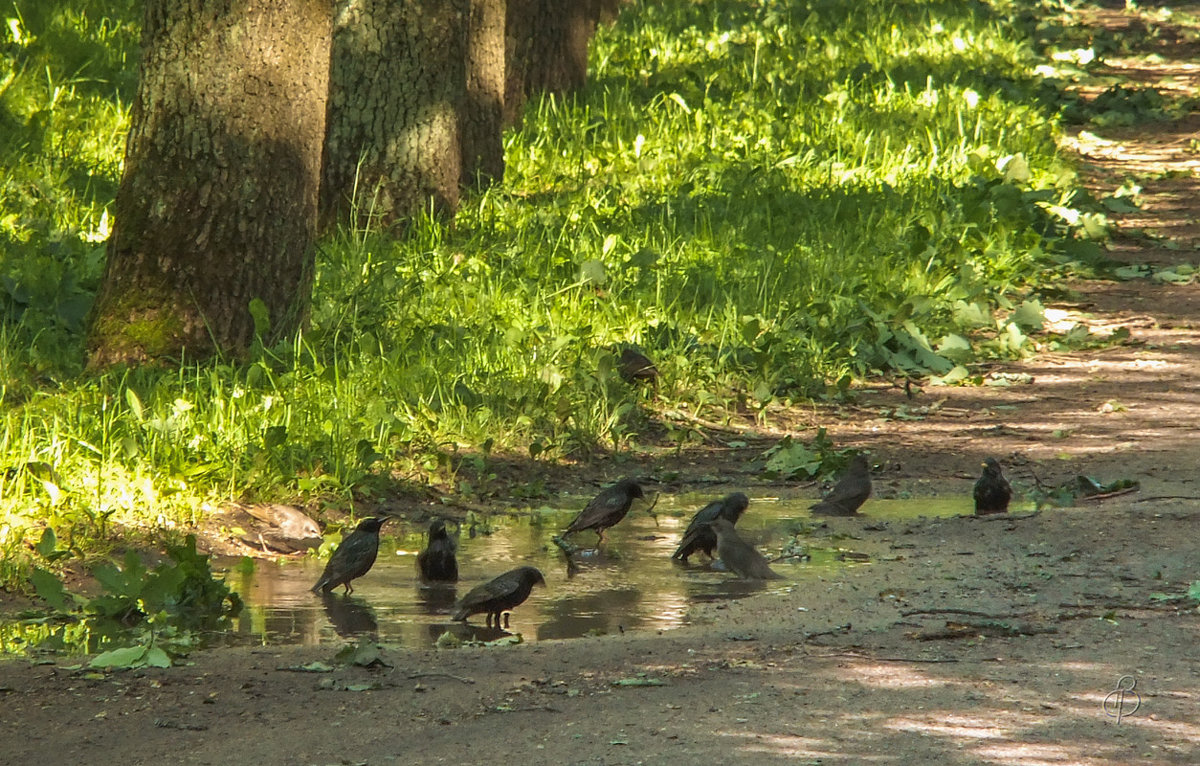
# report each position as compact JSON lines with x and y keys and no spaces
{"x":629,"y":583}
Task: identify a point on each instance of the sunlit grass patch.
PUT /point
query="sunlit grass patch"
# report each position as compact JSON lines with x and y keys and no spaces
{"x":769,"y":199}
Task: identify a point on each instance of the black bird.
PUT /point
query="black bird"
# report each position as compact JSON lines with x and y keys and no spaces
{"x":992,"y":491}
{"x":437,"y":561}
{"x":499,"y":595}
{"x":288,"y":530}
{"x":699,"y":535}
{"x":353,"y":558}
{"x":739,"y":556}
{"x":606,"y":508}
{"x":850,"y":492}
{"x":633,"y":366}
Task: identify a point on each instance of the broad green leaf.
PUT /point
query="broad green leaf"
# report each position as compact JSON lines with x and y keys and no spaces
{"x":126,"y":657}
{"x":956,"y":348}
{"x":639,"y":682}
{"x":51,"y":589}
{"x":1030,"y":315}
{"x":593,"y":271}
{"x":47,"y":544}
{"x":135,"y":404}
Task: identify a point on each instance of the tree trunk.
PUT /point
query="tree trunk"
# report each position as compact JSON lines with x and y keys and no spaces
{"x":546,"y":47}
{"x":397,"y":82}
{"x":482,"y":132}
{"x":217,"y":204}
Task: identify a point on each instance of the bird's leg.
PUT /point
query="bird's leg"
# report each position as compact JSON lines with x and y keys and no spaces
{"x":599,"y":536}
{"x":348,"y":590}
{"x":506,"y":616}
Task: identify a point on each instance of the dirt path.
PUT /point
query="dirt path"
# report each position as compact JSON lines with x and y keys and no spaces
{"x":969,"y":641}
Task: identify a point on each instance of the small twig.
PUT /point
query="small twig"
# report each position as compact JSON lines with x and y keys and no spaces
{"x":650,"y":510}
{"x":970,"y":630}
{"x":790,"y":557}
{"x":1166,"y":497}
{"x":1106,"y":495}
{"x":1169,"y":606}
{"x":860,"y":656}
{"x":434,"y":674}
{"x":1007,"y":516}
{"x":527,"y":709}
{"x":832,"y":632}
{"x":967,"y":612}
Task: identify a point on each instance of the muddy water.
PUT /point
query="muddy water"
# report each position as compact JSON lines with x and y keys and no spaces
{"x":629,"y":583}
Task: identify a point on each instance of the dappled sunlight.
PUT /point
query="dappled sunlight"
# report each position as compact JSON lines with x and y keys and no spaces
{"x":796,"y":746}
{"x":994,"y":724}
{"x":1038,"y":754}
{"x":896,"y":676}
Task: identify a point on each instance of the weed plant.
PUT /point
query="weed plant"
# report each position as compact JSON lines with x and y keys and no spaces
{"x":770,"y":199}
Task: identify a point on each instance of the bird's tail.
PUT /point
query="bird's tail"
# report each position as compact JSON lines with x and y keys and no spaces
{"x":460,"y":615}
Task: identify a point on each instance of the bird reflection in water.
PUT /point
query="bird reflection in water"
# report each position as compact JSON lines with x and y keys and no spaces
{"x":350,"y":617}
{"x":437,"y":598}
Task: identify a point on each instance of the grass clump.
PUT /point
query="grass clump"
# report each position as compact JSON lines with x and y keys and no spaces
{"x":769,"y":199}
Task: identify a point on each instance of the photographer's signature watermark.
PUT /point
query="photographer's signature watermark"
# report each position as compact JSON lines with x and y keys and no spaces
{"x":1122,"y":701}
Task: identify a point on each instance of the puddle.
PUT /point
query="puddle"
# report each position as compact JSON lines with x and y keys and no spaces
{"x":629,"y":584}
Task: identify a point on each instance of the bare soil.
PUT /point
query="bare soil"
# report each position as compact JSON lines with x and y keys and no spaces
{"x":996,"y":640}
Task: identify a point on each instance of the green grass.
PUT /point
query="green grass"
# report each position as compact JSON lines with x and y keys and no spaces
{"x":770,"y":199}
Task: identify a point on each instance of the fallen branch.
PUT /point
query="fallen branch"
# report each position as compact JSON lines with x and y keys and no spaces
{"x":1107,"y":495}
{"x":1172,"y":605}
{"x":1007,"y":516}
{"x":832,"y":632}
{"x":435,"y":674}
{"x":967,"y":612}
{"x":860,"y":656}
{"x":956,"y":630}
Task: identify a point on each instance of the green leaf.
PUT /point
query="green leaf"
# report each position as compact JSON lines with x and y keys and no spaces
{"x":639,"y":682}
{"x":310,"y":667}
{"x":957,"y":374}
{"x":956,"y":348}
{"x":135,"y":404}
{"x":51,"y":590}
{"x":126,"y":657}
{"x":46,"y":545}
{"x":261,"y":316}
{"x":156,"y":658}
{"x":593,"y":271}
{"x":1194,"y":590}
{"x":1030,"y":315}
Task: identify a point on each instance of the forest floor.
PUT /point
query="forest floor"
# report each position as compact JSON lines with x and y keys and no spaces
{"x":998,"y":640}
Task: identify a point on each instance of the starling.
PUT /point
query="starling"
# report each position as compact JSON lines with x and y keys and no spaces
{"x":437,"y":561}
{"x":353,"y":558}
{"x":738,"y":555}
{"x":992,"y":491}
{"x":288,"y":530}
{"x":499,"y":595}
{"x":850,"y":492}
{"x":633,"y":366}
{"x":606,"y":508}
{"x":699,"y":535}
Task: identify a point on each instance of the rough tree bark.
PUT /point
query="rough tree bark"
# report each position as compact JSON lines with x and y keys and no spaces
{"x":218,"y":199}
{"x":397,"y":83}
{"x":546,"y":49}
{"x":482,"y":131}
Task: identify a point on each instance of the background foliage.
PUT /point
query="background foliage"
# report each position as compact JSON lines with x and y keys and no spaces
{"x":770,"y":199}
